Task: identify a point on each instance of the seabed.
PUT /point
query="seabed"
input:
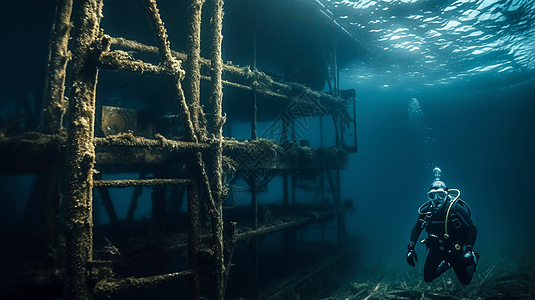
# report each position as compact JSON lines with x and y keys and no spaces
{"x":494,"y":279}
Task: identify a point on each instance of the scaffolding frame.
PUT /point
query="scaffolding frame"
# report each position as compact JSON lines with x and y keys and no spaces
{"x":205,"y":151}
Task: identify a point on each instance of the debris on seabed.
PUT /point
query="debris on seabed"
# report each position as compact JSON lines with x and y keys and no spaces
{"x":494,"y":280}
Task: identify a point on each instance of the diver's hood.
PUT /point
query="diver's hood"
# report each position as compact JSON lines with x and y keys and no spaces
{"x":437,"y":184}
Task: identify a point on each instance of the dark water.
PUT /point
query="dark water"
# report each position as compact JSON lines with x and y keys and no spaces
{"x":451,"y":85}
{"x":481,"y":141}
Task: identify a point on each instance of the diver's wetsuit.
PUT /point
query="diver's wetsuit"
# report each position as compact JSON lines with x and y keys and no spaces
{"x":461,"y":232}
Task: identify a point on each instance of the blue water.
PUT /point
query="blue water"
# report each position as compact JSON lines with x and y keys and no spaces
{"x":438,"y":42}
{"x":451,"y":87}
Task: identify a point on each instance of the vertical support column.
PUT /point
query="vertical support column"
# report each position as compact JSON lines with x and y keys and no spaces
{"x":336,"y":131}
{"x":291,"y":239}
{"x":192,"y":82}
{"x":254,"y":113}
{"x":284,"y":139}
{"x":285,"y":207}
{"x":230,"y":244}
{"x":216,"y":184}
{"x":254,"y":203}
{"x":54,"y":105}
{"x":322,"y":178}
{"x":253,"y":117}
{"x":80,"y":152}
{"x":342,"y":130}
{"x":192,"y":94}
{"x":253,"y":180}
{"x":194,"y":232}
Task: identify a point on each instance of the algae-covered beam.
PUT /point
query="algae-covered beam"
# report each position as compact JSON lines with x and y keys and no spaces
{"x":122,"y":61}
{"x":110,"y":286}
{"x":129,"y":140}
{"x":193,"y":97}
{"x":192,"y":80}
{"x":139,"y":182}
{"x":244,"y":72}
{"x":80,"y":151}
{"x":248,"y":88}
{"x":161,"y":34}
{"x":194,"y":231}
{"x":216,"y":184}
{"x":126,"y":150}
{"x":254,"y":205}
{"x":119,"y":60}
{"x":216,"y":71}
{"x":317,"y":217}
{"x":284,"y":90}
{"x":54,"y":105}
{"x":332,"y":105}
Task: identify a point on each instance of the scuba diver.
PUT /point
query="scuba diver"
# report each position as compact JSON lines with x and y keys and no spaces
{"x":451,"y":234}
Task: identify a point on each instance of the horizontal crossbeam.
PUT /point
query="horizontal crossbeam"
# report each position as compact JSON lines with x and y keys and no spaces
{"x":139,"y":182}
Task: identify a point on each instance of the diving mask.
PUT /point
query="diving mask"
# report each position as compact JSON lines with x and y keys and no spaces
{"x":438,"y":194}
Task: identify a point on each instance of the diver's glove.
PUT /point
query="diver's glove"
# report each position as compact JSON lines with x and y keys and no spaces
{"x":468,"y":256}
{"x":411,"y":255}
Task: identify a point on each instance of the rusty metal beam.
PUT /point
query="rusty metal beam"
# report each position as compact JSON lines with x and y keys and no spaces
{"x":54,"y":104}
{"x":192,"y":95}
{"x":129,"y":140}
{"x":80,"y":152}
{"x":317,"y":217}
{"x":107,"y":287}
{"x":216,"y":162}
{"x":139,"y":182}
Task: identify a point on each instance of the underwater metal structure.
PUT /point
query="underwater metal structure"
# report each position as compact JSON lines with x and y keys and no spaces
{"x":70,"y":162}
